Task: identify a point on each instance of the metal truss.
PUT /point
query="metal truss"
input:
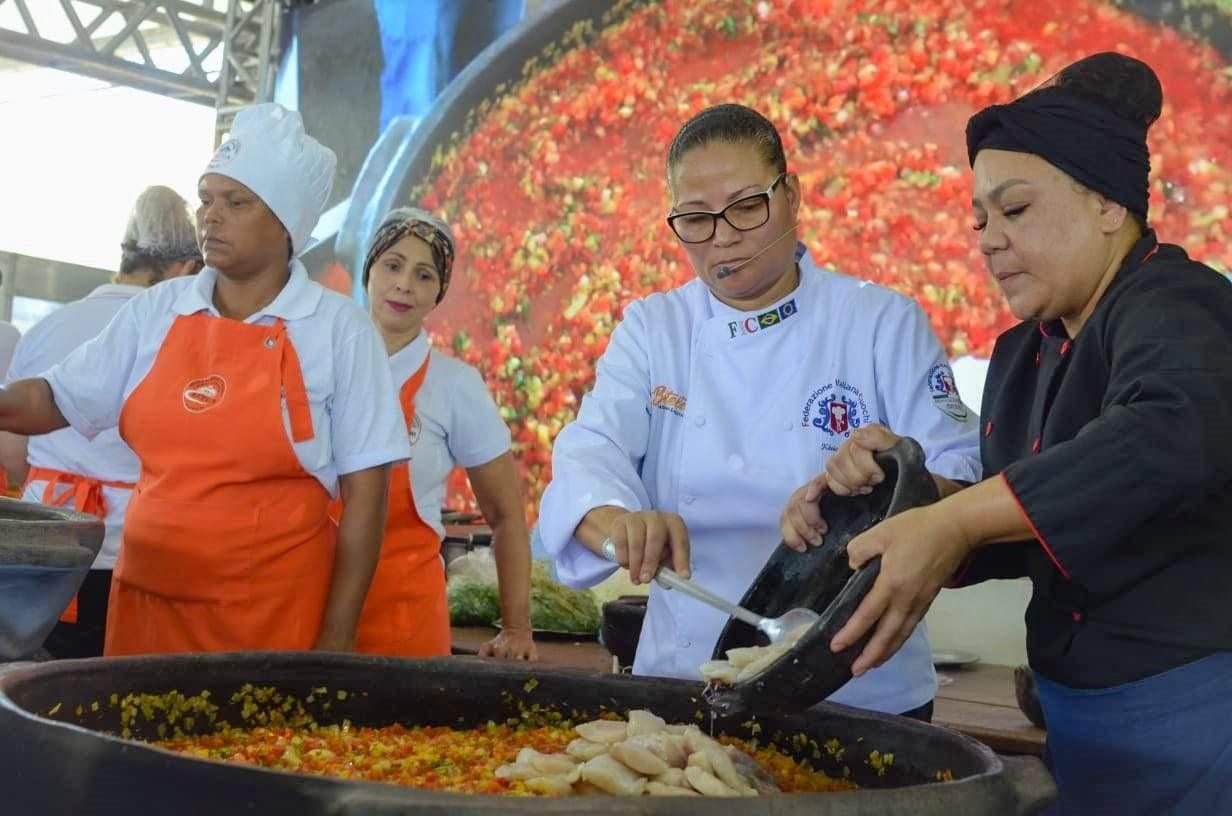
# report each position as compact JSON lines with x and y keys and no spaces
{"x":222,"y":53}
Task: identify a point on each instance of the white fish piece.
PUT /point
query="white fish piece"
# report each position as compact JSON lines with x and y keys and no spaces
{"x":723,"y":768}
{"x":605,"y":772}
{"x":517,"y":770}
{"x":668,"y":747}
{"x":645,"y":722}
{"x":583,"y":749}
{"x":695,"y":740}
{"x":609,"y":731}
{"x":549,"y":764}
{"x":672,"y":776}
{"x":751,"y":770}
{"x":584,"y":788}
{"x":699,"y":760}
{"x":638,"y":758}
{"x":550,"y":785}
{"x":760,"y":664}
{"x":678,"y":728}
{"x":719,"y":671}
{"x":741,"y":656}
{"x":706,"y":783}
{"x":654,"y":788}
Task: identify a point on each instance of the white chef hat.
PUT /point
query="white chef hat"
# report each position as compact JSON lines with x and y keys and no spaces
{"x":269,"y":153}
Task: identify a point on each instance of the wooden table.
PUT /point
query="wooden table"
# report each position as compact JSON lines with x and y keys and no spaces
{"x":976,"y":700}
{"x":980,"y":703}
{"x":587,"y":655}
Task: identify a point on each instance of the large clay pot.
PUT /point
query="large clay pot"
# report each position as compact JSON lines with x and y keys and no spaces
{"x":45,"y":554}
{"x":57,"y":761}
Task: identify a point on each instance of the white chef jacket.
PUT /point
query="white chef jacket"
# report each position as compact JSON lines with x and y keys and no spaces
{"x":105,"y":457}
{"x":456,"y":423}
{"x":719,"y":415}
{"x":356,"y":419}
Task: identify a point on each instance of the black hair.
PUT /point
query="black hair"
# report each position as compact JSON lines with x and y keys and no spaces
{"x":733,"y":124}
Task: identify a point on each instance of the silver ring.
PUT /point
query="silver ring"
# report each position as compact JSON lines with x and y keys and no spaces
{"x":609,"y":549}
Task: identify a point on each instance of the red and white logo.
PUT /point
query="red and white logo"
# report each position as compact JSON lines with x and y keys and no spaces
{"x":838,"y":416}
{"x":205,"y":393}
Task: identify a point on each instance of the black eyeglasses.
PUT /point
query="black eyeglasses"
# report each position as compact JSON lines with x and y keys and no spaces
{"x":743,"y":214}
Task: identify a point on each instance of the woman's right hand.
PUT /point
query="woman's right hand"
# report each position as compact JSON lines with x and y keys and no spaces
{"x":852,"y":470}
{"x":648,"y":539}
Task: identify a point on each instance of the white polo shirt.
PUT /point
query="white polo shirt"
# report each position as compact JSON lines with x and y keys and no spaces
{"x":10,"y":336}
{"x":105,"y":457}
{"x":456,"y":424}
{"x":356,"y":419}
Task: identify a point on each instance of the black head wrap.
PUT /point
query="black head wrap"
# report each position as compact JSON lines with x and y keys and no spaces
{"x":1095,"y":146}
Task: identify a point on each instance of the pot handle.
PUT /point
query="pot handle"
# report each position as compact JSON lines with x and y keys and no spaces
{"x":1031,"y":784}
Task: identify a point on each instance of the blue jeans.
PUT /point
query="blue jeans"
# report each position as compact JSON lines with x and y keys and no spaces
{"x":1160,"y":745}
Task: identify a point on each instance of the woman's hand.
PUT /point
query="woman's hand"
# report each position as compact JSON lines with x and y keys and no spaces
{"x":852,"y":469}
{"x":511,"y":644}
{"x":648,"y":539}
{"x":920,"y":550}
{"x":360,"y":531}
{"x":500,"y":500}
{"x":801,"y":522}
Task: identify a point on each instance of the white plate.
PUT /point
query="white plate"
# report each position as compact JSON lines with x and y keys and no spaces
{"x":954,"y":658}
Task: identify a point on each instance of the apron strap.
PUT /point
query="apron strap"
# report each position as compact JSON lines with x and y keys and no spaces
{"x":410,"y":388}
{"x":294,"y":390}
{"x":87,"y":497}
{"x":86,"y":493}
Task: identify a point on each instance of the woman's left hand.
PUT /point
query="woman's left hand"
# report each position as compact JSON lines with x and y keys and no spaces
{"x":511,"y":644}
{"x":920,"y":551}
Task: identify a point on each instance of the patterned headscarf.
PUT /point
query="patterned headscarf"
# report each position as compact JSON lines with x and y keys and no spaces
{"x":404,"y":221}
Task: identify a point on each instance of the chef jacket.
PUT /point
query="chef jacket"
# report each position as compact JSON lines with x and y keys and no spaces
{"x":1117,"y":444}
{"x":718,"y":415}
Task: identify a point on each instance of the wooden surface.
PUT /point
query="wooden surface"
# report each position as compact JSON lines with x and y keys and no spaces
{"x":975,"y":700}
{"x":980,"y":703}
{"x":587,"y":655}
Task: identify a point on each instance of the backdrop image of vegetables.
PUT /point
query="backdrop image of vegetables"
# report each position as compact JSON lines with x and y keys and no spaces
{"x":557,"y":193}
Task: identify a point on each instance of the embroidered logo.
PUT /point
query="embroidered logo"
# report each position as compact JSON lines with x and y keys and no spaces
{"x":225,"y":154}
{"x":765,"y":320}
{"x":944,"y":392}
{"x":665,"y":399}
{"x":203,"y":394}
{"x":414,"y":429}
{"x":836,"y":410}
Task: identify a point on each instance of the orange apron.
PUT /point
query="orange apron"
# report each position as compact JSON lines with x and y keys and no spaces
{"x":406,"y":613}
{"x":227,"y":542}
{"x":86,"y":495}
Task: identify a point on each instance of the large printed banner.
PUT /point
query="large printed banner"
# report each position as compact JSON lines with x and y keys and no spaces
{"x":558,"y":194}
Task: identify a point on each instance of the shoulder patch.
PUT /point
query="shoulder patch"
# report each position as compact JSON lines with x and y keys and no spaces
{"x":944,"y":393}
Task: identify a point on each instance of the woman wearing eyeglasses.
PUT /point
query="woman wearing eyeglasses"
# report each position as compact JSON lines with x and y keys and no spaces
{"x":716,"y":400}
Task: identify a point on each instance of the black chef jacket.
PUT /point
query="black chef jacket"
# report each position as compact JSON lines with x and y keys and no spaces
{"x":1118,"y":446}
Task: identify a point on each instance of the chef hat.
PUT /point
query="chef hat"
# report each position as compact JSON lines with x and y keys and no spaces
{"x":269,"y":153}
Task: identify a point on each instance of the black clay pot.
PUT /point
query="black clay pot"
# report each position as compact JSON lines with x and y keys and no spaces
{"x":59,"y":762}
{"x":820,"y":579}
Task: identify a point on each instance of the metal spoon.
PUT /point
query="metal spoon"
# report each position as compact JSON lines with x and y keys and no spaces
{"x":776,"y":629}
